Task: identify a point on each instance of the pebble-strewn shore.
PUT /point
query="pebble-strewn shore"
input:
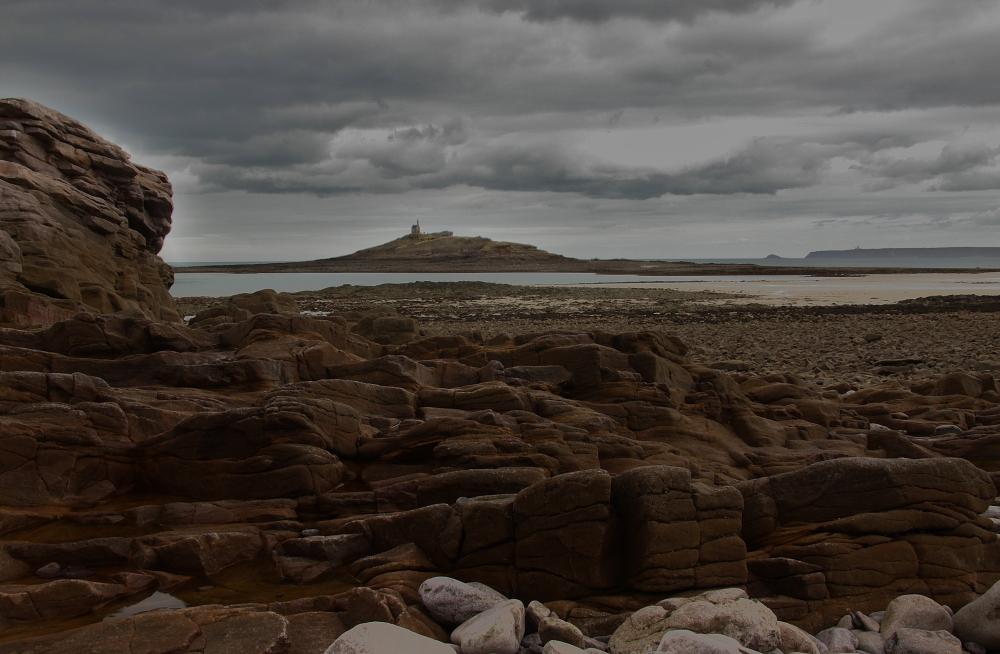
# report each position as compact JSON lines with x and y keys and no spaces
{"x":830,"y":345}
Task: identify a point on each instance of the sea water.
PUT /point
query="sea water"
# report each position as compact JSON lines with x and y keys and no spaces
{"x":837,"y":262}
{"x":226,"y":284}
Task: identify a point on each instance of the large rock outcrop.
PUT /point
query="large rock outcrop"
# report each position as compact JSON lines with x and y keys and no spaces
{"x":857,"y":532}
{"x":80,"y":224}
{"x":600,"y":473}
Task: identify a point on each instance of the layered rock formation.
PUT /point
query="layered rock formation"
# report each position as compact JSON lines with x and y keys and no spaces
{"x":597,"y":472}
{"x":80,"y":224}
{"x":839,"y":536}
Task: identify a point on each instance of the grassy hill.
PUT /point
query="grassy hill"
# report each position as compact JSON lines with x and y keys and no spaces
{"x":445,"y":245}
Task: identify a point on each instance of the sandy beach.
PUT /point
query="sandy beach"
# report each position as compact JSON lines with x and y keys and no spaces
{"x":827,"y":291}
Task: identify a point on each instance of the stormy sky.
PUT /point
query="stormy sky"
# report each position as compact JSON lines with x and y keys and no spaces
{"x":593,"y":128}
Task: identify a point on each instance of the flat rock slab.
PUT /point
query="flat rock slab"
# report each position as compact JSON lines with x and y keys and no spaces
{"x":211,"y":630}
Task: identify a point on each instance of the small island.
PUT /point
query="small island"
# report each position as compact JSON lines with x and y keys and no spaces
{"x":418,"y":246}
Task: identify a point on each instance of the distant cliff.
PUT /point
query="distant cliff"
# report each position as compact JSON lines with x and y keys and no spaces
{"x":905,"y":253}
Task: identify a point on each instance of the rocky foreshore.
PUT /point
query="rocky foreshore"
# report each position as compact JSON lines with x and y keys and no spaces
{"x":343,"y":462}
{"x":857,"y":345}
{"x":267,"y":478}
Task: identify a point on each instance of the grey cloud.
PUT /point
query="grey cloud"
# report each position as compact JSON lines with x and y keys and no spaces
{"x":231,"y":69}
{"x":427,"y":158}
{"x":407,"y":151}
{"x":270,"y":150}
{"x":960,"y":164}
{"x":985,"y":219}
{"x":270,"y":97}
{"x":324,"y":116}
{"x":597,"y":11}
{"x":431,"y":157}
{"x":971,"y":181}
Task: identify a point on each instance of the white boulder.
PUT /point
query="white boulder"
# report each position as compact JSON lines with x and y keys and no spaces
{"x":914,"y":612}
{"x":534,"y":612}
{"x":498,"y":630}
{"x":729,"y":612}
{"x":385,"y":638}
{"x":838,"y":639}
{"x":453,"y":602}
{"x":794,"y":639}
{"x":552,"y":628}
{"x":559,"y":647}
{"x":870,"y":641}
{"x":683,"y":641}
{"x":979,"y":620}
{"x":922,"y":641}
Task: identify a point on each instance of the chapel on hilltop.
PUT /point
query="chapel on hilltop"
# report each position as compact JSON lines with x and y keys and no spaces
{"x":415,"y":232}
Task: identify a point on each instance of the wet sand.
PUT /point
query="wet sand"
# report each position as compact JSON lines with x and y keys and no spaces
{"x":829,"y":291}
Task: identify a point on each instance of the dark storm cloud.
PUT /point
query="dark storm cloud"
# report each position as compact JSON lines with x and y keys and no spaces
{"x":434,"y":158}
{"x":260,"y":94}
{"x":277,"y":149}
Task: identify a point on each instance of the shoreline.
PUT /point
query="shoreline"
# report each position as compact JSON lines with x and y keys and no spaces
{"x":801,"y":291}
{"x":562,"y":265}
{"x":835,"y":291}
{"x":820,"y":342}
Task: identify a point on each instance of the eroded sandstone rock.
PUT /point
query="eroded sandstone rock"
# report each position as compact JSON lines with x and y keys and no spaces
{"x":82,"y":224}
{"x":597,"y":472}
{"x":250,"y":453}
{"x":247,"y":629}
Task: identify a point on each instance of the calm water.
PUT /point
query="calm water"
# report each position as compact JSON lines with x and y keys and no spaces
{"x":155,"y":601}
{"x":225,"y":284}
{"x":930,"y":262}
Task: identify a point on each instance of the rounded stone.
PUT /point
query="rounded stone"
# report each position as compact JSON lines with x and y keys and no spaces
{"x":838,"y":639}
{"x":914,"y":612}
{"x":683,"y":641}
{"x":559,"y":647}
{"x":552,"y":628}
{"x":385,"y":638}
{"x":977,"y":621}
{"x":49,"y":571}
{"x":498,"y":630}
{"x":453,"y":602}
